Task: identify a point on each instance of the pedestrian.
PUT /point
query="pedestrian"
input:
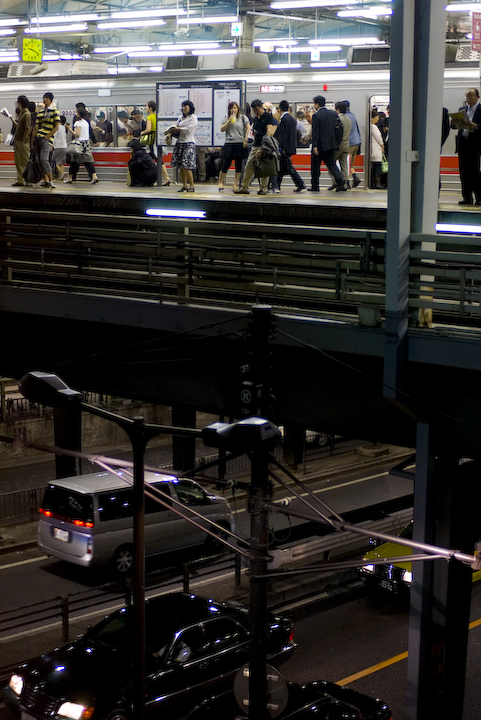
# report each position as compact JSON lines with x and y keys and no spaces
{"x":184,"y":155}
{"x":377,"y":149}
{"x":103,"y":130}
{"x":60,"y":148}
{"x":342,"y":151}
{"x":81,"y":133}
{"x":46,"y":125}
{"x":326,"y":138}
{"x":142,"y":168}
{"x":21,"y":139}
{"x":286,"y":136}
{"x":136,"y":122}
{"x":354,"y":143}
{"x":148,"y":137}
{"x":263,"y":125}
{"x":468,"y":147}
{"x":236,"y":128}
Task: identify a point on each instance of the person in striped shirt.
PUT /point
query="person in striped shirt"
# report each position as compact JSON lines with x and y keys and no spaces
{"x":46,"y":125}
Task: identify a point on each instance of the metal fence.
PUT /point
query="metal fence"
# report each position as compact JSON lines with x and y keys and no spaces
{"x":21,"y":504}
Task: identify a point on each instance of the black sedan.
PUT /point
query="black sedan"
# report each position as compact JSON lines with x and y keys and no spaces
{"x":313,"y":701}
{"x":194,"y":648}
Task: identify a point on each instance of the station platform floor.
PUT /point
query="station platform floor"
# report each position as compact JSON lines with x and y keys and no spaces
{"x":354,"y":208}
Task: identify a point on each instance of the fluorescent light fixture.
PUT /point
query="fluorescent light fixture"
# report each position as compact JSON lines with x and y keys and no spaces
{"x":208,"y":20}
{"x":284,"y":66}
{"x":371,"y":12}
{"x":275,"y":41}
{"x":168,"y":12}
{"x":464,"y":229}
{"x":158,"y":53}
{"x":75,"y":27}
{"x":50,"y":58}
{"x":13,"y":21}
{"x":337,"y":64}
{"x":122,"y":49}
{"x":161,"y":212}
{"x":122,"y":24}
{"x":156,"y":68}
{"x":227,"y":51}
{"x":70,"y":57}
{"x":322,"y":48}
{"x":7,"y":31}
{"x":8,"y":58}
{"x":356,"y":41}
{"x":463,"y":7}
{"x":123,"y":70}
{"x":51,"y":19}
{"x":292,"y":4}
{"x":190,"y":46}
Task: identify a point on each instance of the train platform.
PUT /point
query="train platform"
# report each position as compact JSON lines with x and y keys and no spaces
{"x":355,"y":208}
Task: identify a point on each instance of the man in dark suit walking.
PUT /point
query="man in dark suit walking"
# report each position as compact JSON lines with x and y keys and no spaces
{"x":286,"y":136}
{"x":326,"y":137}
{"x":469,"y":149}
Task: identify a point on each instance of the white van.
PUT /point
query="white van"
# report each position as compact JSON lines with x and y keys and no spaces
{"x":88,"y":519}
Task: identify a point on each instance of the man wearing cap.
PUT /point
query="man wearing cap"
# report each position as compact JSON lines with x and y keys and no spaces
{"x":136,"y":122}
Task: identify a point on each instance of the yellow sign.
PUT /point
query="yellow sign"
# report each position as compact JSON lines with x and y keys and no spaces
{"x":32,"y":50}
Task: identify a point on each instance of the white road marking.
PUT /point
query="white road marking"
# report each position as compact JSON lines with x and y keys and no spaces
{"x":23,"y":562}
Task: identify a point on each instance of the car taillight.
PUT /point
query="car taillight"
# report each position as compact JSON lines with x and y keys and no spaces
{"x":291,"y":636}
{"x":64,"y":518}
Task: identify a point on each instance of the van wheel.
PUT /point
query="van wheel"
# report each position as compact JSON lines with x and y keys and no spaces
{"x":123,"y":560}
{"x":212,"y":544}
{"x":119,"y":714}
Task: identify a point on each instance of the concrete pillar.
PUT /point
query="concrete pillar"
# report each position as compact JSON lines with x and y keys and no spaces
{"x":293,"y":442}
{"x":183,"y":448}
{"x":67,"y":434}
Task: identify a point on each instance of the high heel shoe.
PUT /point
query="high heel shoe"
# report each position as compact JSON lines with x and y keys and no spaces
{"x":166,"y":184}
{"x":94,"y":182}
{"x":183,"y":189}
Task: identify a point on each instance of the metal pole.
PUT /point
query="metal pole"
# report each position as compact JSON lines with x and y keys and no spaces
{"x":260,"y":492}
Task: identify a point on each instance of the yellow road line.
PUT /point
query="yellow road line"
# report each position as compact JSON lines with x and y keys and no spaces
{"x":386,"y":663}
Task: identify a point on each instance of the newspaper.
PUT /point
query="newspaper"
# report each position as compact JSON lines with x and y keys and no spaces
{"x":460,"y":120}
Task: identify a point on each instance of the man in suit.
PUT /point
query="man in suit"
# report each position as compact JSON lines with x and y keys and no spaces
{"x":286,"y":136}
{"x":469,"y":149}
{"x":326,"y":137}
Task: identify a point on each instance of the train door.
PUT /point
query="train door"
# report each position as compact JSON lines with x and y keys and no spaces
{"x":379,"y":103}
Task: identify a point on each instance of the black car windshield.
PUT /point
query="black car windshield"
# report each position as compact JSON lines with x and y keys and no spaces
{"x":115,"y":632}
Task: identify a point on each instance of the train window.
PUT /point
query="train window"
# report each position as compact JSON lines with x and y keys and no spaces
{"x":188,"y":62}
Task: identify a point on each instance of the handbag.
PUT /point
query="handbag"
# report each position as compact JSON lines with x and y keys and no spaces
{"x":74,"y":148}
{"x":384,"y":164}
{"x":9,"y":139}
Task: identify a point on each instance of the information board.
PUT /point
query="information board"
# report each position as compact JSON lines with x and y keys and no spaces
{"x":210,"y":101}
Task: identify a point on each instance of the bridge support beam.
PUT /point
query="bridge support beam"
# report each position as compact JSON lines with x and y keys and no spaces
{"x":441,"y":591}
{"x":183,"y":448}
{"x":67,"y":433}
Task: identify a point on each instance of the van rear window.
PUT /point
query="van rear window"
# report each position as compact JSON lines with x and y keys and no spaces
{"x":67,"y":505}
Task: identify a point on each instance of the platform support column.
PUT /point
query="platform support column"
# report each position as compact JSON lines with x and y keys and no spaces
{"x":441,"y":591}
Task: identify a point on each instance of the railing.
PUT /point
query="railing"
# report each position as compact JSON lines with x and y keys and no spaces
{"x":21,"y":504}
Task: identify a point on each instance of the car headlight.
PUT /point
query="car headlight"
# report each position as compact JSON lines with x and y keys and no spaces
{"x":408,"y":577}
{"x":16,"y":684}
{"x":369,"y":568}
{"x":75,"y":711}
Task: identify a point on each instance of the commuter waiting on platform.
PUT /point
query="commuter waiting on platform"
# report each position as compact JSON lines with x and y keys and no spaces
{"x":142,"y":168}
{"x":21,"y":139}
{"x":81,"y":135}
{"x":60,"y":148}
{"x":236,"y":128}
{"x":46,"y":125}
{"x":377,"y":149}
{"x":184,"y":156}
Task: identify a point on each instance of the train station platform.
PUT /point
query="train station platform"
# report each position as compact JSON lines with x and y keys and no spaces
{"x":355,"y":208}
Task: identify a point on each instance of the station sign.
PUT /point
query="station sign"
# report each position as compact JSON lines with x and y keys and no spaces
{"x":272,"y":88}
{"x":476,"y":31}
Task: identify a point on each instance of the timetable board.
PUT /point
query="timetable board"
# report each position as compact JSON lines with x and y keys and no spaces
{"x":210,"y":101}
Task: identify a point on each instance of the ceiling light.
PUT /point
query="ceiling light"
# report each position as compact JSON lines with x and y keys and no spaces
{"x":227,"y":51}
{"x":122,"y":49}
{"x":156,"y":68}
{"x":336,"y":64}
{"x":9,"y":58}
{"x":284,"y":66}
{"x":208,"y":20}
{"x":157,"y":53}
{"x":323,"y":48}
{"x":362,"y":40}
{"x":463,"y":7}
{"x":273,"y":41}
{"x":161,"y":212}
{"x":123,"y":70}
{"x":51,"y":19}
{"x":191,"y":46}
{"x":371,"y":12}
{"x":469,"y":229}
{"x":291,"y":4}
{"x":75,"y":27}
{"x":147,"y":13}
{"x":129,"y":24}
{"x":7,"y":31}
{"x":12,"y":21}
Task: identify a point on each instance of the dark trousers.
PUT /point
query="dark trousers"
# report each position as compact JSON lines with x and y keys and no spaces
{"x":326,"y":156}
{"x":287,"y":168}
{"x":469,"y":172}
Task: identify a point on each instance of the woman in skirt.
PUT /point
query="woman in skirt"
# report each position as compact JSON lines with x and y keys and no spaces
{"x":184,"y":155}
{"x":236,"y":127}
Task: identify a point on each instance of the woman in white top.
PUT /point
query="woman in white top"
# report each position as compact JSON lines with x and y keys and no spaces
{"x":377,"y":149}
{"x":236,"y":127}
{"x":60,"y":148}
{"x":184,"y":156}
{"x":81,"y":133}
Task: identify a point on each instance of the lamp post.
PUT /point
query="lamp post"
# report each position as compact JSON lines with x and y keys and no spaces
{"x":49,"y":389}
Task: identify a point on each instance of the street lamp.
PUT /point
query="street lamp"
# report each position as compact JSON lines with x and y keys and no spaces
{"x":49,"y":389}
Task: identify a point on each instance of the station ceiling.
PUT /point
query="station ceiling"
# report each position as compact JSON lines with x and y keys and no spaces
{"x":79,"y":28}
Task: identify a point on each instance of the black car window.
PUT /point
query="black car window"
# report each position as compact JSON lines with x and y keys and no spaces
{"x":113,"y":632}
{"x":151,"y":505}
{"x":188,"y":646}
{"x":222,"y":633}
{"x":118,"y":504}
{"x":189,"y":492}
{"x":68,"y":504}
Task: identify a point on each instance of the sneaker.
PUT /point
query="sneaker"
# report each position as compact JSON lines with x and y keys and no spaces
{"x":50,"y":185}
{"x":276,"y":191}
